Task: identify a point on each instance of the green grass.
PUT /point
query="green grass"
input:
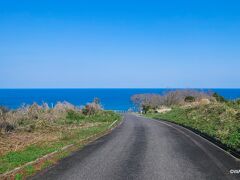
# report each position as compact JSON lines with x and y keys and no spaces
{"x":74,"y":117}
{"x":18,"y":177}
{"x":47,"y":163}
{"x":103,"y":119}
{"x":31,"y":153}
{"x":30,"y":170}
{"x":219,"y":120}
{"x":15,"y":159}
{"x":76,"y":135}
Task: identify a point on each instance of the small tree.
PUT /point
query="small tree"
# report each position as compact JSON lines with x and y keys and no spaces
{"x":92,"y":108}
{"x":189,"y":99}
{"x":145,"y":108}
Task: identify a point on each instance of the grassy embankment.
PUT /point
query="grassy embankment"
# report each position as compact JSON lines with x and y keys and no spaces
{"x":206,"y":112}
{"x":34,"y":131}
{"x":220,"y":120}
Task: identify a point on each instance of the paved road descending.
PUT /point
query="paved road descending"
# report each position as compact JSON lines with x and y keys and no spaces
{"x":146,"y":149}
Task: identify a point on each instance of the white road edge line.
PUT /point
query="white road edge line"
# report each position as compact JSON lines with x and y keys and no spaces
{"x":50,"y":154}
{"x":196,"y":135}
{"x":218,"y":163}
{"x":113,"y":123}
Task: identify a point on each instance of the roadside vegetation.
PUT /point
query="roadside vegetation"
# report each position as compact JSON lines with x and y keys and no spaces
{"x":33,"y":131}
{"x":208,"y":112}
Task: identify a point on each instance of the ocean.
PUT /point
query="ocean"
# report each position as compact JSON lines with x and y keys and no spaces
{"x":111,"y":99}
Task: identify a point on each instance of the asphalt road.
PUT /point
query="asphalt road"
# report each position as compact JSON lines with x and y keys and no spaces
{"x":142,"y":148}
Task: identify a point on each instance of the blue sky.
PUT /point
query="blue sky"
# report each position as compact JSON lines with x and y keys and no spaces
{"x":133,"y":44}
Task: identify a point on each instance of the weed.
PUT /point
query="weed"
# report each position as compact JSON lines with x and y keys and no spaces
{"x":30,"y":170}
{"x":18,"y":177}
{"x":219,"y":120}
{"x":46,"y":164}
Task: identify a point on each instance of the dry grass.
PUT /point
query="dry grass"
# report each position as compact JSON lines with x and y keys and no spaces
{"x":176,"y":97}
{"x":146,"y":102}
{"x":35,"y":124}
{"x":18,"y":140}
{"x":33,"y":131}
{"x":31,"y":117}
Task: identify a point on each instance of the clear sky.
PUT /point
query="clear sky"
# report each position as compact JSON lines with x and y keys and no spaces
{"x":116,"y":44}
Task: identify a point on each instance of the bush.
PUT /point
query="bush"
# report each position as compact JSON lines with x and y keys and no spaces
{"x":238,"y":116}
{"x":171,"y":98}
{"x":189,"y":99}
{"x":3,"y":110}
{"x":71,"y":114}
{"x":238,"y":101}
{"x":31,"y":117}
{"x":27,"y":116}
{"x":6,"y":127}
{"x":145,"y":108}
{"x":218,"y":97}
{"x":103,"y":116}
{"x":74,"y":116}
{"x":92,"y":108}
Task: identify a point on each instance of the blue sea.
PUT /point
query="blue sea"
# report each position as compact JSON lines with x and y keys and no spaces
{"x":111,"y":99}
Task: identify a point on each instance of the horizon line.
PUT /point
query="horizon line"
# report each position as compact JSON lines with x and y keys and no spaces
{"x":119,"y":88}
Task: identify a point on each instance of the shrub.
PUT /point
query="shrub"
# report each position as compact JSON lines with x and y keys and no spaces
{"x":103,"y":116}
{"x":238,"y":116}
{"x":34,"y":110}
{"x":146,"y":108}
{"x":31,"y":117}
{"x":171,"y":98}
{"x":27,"y":116}
{"x":74,"y":116}
{"x":92,"y":108}
{"x":218,"y":97}
{"x":3,"y":110}
{"x":238,"y":101}
{"x":189,"y":99}
{"x":6,"y":127}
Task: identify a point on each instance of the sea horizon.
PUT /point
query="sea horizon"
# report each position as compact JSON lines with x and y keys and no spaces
{"x":124,"y":88}
{"x":111,"y":98}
